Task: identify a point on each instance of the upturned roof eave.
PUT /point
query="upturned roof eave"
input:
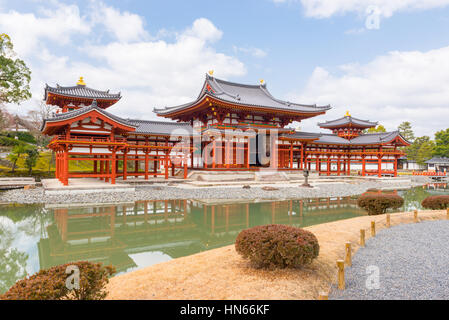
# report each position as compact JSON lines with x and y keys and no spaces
{"x":55,"y":91}
{"x":171,"y":110}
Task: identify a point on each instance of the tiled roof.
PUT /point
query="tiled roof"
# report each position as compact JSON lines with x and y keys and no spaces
{"x":247,"y":95}
{"x":301,"y":135}
{"x":346,"y":121}
{"x":81,"y":91}
{"x":75,"y":113}
{"x":162,"y":127}
{"x":363,"y":139}
{"x":439,"y":160}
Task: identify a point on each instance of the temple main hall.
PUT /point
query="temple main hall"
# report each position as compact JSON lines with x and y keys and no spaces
{"x":228,"y":127}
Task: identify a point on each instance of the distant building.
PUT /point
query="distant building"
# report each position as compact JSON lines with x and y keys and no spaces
{"x":438,"y":164}
{"x":407,"y":164}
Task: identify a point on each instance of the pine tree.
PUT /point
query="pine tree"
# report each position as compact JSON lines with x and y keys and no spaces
{"x":405,"y":129}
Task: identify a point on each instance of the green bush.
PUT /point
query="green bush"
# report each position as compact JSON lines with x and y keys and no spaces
{"x":10,"y":142}
{"x":50,"y":284}
{"x":22,"y":136}
{"x":436,"y":202}
{"x":277,"y":245}
{"x":379,"y":203}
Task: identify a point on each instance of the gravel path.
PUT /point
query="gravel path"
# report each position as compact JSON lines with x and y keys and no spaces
{"x":413,"y":262}
{"x":164,"y":192}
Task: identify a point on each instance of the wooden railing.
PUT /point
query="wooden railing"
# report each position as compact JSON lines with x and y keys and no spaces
{"x":87,"y":139}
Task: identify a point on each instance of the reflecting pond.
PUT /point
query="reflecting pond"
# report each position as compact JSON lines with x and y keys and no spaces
{"x":136,"y":235}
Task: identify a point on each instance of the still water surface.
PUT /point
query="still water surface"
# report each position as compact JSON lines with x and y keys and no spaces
{"x":136,"y":235}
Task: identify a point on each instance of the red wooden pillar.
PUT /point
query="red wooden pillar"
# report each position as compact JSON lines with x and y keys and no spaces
{"x":146,"y":164}
{"x":302,"y":156}
{"x":379,"y":165}
{"x":107,"y":171}
{"x":185,"y":166}
{"x":192,"y":154}
{"x":57,"y":164}
{"x":66,"y":167}
{"x":156,"y":161}
{"x":395,"y":166}
{"x":113,"y":166}
{"x":338,"y":165}
{"x":363,"y":165}
{"x":125,"y":164}
{"x":166,"y":159}
{"x":349,"y":166}
{"x":328,"y":165}
{"x":291,"y":155}
{"x":318,"y":164}
{"x":101,"y":167}
{"x":95,"y":165}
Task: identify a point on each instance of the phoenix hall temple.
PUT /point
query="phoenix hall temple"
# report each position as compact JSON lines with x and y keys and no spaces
{"x":228,"y":127}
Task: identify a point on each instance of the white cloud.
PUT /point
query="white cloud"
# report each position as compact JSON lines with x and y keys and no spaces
{"x":203,"y":29}
{"x":125,"y":26}
{"x":400,"y":86}
{"x":255,"y":52}
{"x":149,"y":72}
{"x":58,"y":25}
{"x":328,"y":8}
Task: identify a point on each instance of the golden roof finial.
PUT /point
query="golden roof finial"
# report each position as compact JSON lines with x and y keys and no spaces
{"x":81,"y":82}
{"x":347,"y":114}
{"x":211,"y":72}
{"x":262,"y":81}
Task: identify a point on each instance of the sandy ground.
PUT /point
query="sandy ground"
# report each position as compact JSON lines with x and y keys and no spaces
{"x":223,"y":274}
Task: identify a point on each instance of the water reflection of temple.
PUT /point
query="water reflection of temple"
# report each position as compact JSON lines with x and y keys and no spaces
{"x":112,"y":234}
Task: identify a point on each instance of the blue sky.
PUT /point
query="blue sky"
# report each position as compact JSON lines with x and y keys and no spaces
{"x":308,"y":51}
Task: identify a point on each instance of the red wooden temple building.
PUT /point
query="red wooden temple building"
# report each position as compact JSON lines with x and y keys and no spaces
{"x":230,"y":126}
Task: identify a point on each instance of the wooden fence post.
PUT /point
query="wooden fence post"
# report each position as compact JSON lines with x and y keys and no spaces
{"x":415,"y":216}
{"x":388,"y":220}
{"x":373,"y":228}
{"x":341,"y":274}
{"x":362,"y":237}
{"x":348,"y":258}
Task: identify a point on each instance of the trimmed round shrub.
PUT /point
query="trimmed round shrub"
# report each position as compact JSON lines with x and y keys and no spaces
{"x":436,"y":202}
{"x":54,"y":283}
{"x":275,"y":245}
{"x":379,"y":203}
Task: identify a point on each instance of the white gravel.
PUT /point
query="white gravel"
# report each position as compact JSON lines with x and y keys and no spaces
{"x":164,"y":192}
{"x":413,"y":262}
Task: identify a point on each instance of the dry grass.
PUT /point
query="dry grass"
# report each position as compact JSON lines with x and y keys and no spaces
{"x":223,"y":274}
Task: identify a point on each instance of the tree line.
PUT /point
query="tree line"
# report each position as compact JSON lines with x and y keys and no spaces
{"x":424,"y":148}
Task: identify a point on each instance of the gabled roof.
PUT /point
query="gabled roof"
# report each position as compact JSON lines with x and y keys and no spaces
{"x":363,"y":139}
{"x":347,"y":121}
{"x":376,"y":138}
{"x":81,"y":91}
{"x":300,"y":135}
{"x":245,"y":95}
{"x":438,"y":160}
{"x":75,"y":113}
{"x":162,"y":127}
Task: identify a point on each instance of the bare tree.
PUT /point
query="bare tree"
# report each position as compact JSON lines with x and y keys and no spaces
{"x":35,"y":118}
